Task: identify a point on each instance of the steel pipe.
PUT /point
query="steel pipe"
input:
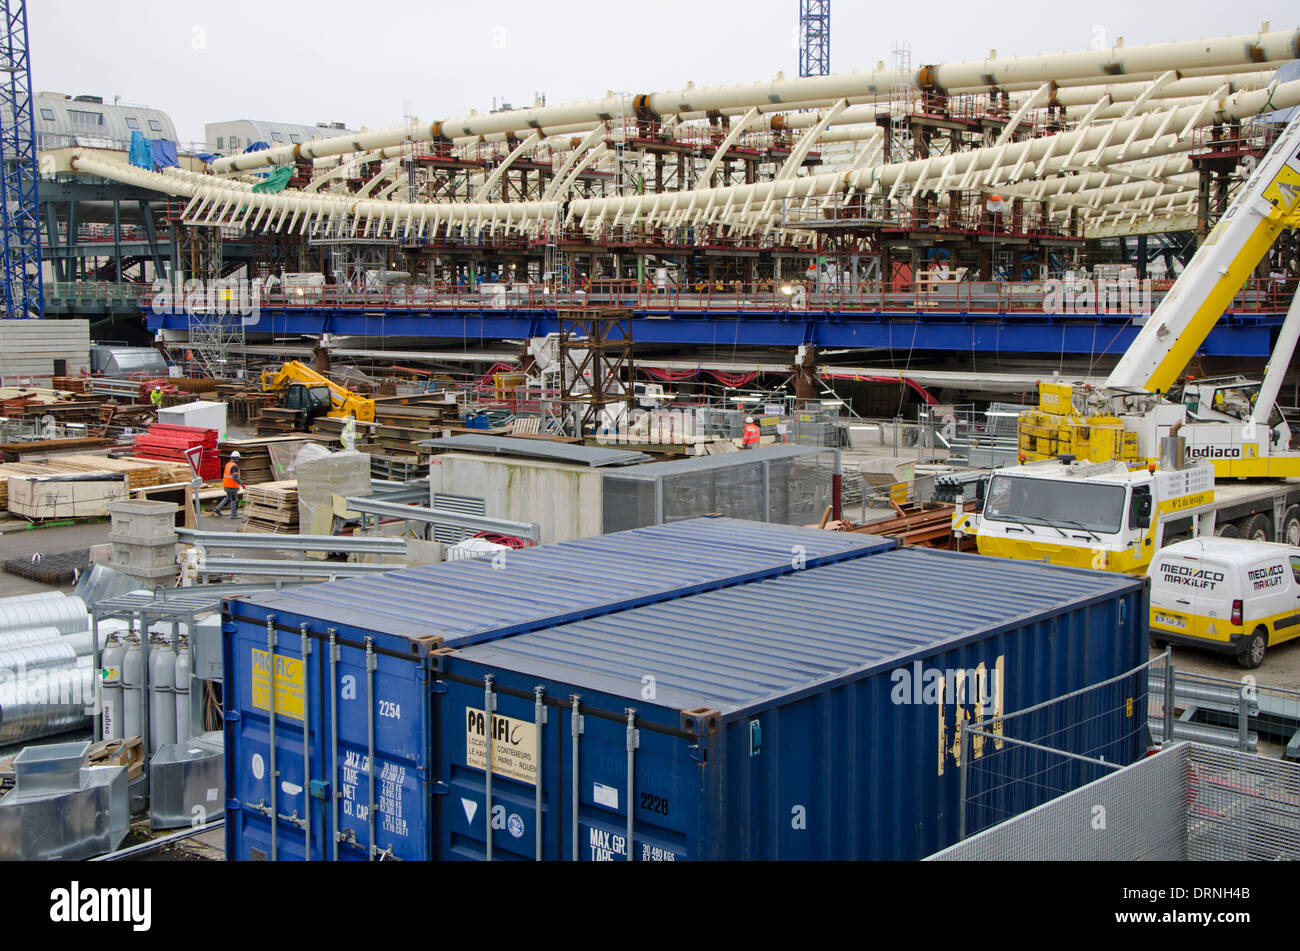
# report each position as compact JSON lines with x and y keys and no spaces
{"x":1220,"y":54}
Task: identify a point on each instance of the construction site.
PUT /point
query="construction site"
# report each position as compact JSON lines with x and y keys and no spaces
{"x":617,"y":479}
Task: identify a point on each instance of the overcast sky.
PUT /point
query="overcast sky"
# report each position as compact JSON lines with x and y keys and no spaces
{"x":366,"y":63}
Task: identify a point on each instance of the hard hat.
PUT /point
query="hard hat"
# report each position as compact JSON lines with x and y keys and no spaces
{"x":749,"y":419}
{"x":234,"y":455}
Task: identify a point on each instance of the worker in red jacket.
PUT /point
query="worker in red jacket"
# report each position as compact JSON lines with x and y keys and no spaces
{"x":752,"y":434}
{"x":232,"y":482}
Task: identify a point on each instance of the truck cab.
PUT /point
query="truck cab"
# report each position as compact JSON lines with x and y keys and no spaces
{"x":309,"y":401}
{"x":1087,"y":514}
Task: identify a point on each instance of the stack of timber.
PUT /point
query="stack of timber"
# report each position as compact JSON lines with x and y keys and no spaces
{"x":272,"y":507}
{"x":255,"y":464}
{"x":15,"y":451}
{"x":71,"y":384}
{"x":274,"y":420}
{"x":139,"y":473}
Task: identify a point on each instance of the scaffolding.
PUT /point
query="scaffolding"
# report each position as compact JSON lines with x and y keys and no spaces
{"x":596,"y":368}
{"x":19,"y":205}
{"x":814,"y":37}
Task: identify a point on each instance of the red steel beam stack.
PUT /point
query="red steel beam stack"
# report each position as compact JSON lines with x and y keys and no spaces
{"x":164,"y":441}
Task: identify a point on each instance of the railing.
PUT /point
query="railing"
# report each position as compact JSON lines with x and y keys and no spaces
{"x":1260,"y":296}
{"x":1263,"y":296}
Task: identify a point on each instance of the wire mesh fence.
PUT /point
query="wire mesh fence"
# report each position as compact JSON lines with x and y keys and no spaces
{"x":1241,"y":807}
{"x":1190,"y":802}
{"x":1020,"y":760}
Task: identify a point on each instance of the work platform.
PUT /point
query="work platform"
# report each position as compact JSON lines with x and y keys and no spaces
{"x":1006,"y":318}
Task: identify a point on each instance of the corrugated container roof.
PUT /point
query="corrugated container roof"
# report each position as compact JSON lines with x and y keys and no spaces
{"x":691,"y":464}
{"x":537,"y":449}
{"x":736,"y":648}
{"x":466,"y":601}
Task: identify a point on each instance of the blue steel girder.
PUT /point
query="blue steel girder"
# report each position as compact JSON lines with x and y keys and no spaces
{"x":1235,"y":335}
{"x":20,"y":223}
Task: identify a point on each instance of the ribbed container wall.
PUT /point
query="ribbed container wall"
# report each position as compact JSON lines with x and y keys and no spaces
{"x":764,"y":689}
{"x":404,"y":616}
{"x":773,"y":720}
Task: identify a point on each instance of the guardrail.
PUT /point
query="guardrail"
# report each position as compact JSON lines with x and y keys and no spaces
{"x":1262,"y":296}
{"x":472,"y":523}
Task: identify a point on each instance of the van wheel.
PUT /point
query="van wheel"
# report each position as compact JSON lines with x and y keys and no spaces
{"x":1252,"y":655}
{"x":1258,"y":528}
{"x":1291,"y":526}
{"x":1227,"y":530}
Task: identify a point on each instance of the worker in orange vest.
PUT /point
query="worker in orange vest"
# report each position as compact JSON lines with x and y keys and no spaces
{"x":752,"y":434}
{"x":232,"y":483}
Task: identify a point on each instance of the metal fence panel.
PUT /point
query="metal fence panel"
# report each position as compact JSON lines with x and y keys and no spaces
{"x":1241,"y":807}
{"x":1134,"y":814}
{"x":1028,"y":757}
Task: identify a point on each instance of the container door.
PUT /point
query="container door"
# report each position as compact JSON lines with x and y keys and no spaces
{"x":582,"y":757}
{"x":384,"y":815}
{"x":323,"y":785}
{"x":271,"y":693}
{"x":516,"y":807}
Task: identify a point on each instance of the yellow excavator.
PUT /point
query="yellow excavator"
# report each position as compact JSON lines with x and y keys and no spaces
{"x":313,"y":394}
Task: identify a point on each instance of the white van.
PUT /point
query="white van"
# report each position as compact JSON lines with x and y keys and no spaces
{"x":1226,"y":594}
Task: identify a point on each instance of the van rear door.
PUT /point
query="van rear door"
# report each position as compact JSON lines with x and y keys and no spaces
{"x":1214,"y":587}
{"x":1191,"y":595}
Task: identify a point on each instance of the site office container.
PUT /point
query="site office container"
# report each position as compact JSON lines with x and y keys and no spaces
{"x":353,"y":659}
{"x":776,"y":719}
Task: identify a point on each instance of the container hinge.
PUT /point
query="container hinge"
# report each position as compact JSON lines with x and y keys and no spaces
{"x":422,"y":773}
{"x":294,"y":820}
{"x":440,"y":788}
{"x":697,"y":753}
{"x":438,"y":686}
{"x":383,"y":856}
{"x":320,"y":789}
{"x":260,"y":807}
{"x":346,"y":837}
{"x":232,"y":716}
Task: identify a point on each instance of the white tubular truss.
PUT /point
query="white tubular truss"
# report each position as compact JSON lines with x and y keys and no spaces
{"x":1224,"y":54}
{"x":1142,"y":156}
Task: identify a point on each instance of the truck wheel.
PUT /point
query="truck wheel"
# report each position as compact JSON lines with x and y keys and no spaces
{"x":1252,"y":654}
{"x":1258,"y":528}
{"x":1227,"y":530}
{"x":1291,"y":526}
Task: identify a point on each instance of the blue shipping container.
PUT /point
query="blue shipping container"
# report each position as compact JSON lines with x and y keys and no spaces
{"x":350,"y":677}
{"x":782,"y":719}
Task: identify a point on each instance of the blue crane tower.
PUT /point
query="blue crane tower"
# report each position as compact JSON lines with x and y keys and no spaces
{"x":814,"y":37}
{"x":24,"y":287}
